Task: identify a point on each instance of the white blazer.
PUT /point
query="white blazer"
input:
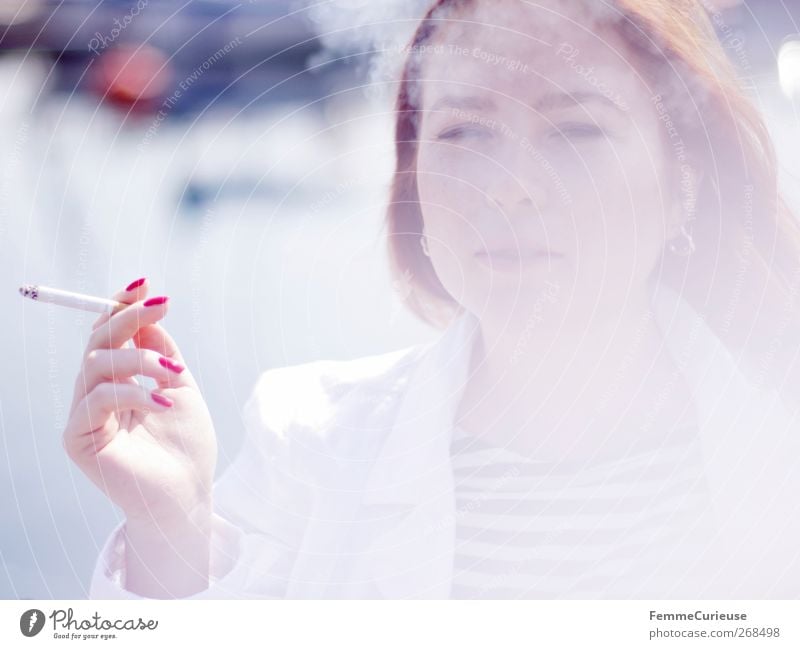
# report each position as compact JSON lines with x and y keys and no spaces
{"x":344,"y":489}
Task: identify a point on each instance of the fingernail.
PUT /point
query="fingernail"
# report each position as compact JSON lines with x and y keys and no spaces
{"x":161,"y":400}
{"x":153,"y":301}
{"x":171,"y":365}
{"x":136,"y":284}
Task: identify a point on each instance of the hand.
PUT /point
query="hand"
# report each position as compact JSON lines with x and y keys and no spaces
{"x":152,"y":453}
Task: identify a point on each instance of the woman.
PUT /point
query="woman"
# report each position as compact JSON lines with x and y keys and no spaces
{"x":587,"y":205}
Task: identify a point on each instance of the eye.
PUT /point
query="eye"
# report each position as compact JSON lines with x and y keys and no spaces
{"x":577,"y":131}
{"x":461,"y":131}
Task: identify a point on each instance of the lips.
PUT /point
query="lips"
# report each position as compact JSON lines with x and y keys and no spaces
{"x":517,"y":253}
{"x":504,"y":260}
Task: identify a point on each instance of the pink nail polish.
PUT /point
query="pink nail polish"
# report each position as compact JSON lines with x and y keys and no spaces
{"x":136,"y":284}
{"x":154,"y":301}
{"x":171,"y":365}
{"x":161,"y":400}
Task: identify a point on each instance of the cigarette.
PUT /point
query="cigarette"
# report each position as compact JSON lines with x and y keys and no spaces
{"x":71,"y":300}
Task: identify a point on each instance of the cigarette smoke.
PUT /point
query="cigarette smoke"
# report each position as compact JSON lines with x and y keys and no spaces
{"x":374,"y":34}
{"x":377,"y":29}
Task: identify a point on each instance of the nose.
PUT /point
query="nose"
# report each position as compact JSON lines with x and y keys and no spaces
{"x":517,"y":182}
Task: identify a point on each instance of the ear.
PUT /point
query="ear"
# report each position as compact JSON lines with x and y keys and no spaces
{"x":684,"y":207}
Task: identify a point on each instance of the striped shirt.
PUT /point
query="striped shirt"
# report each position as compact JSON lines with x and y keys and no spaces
{"x":634,"y":527}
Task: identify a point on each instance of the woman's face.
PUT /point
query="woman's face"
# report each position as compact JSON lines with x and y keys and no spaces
{"x":539,"y":136}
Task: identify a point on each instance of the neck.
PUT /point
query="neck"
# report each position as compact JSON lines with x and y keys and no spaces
{"x":564,"y":381}
{"x":557,"y":337}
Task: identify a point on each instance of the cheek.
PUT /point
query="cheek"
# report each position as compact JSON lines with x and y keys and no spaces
{"x":449,"y":246}
{"x":446,"y":206}
{"x":448,"y":202}
{"x":449,"y":176}
{"x":618,"y":195}
{"x":450,"y":254}
{"x":618,"y":215}
{"x":646,"y":200}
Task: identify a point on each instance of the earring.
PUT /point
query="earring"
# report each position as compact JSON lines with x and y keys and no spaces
{"x":424,"y":243}
{"x":688,"y":246}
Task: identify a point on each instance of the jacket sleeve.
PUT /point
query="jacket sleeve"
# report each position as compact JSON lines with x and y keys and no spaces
{"x":261,"y":504}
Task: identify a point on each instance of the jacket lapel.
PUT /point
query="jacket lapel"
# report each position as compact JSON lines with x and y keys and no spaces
{"x":412,"y":473}
{"x":749,"y":439}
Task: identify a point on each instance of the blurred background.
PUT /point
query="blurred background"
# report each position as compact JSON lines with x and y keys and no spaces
{"x":238,"y":154}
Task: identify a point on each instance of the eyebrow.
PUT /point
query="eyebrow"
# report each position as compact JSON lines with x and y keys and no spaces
{"x":465,"y":102}
{"x":550,"y":101}
{"x":561,"y":100}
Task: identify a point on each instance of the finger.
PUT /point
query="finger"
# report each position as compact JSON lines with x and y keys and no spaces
{"x":156,"y":337}
{"x":93,"y":412}
{"x":124,"y":324}
{"x":135,"y":291}
{"x":115,"y":365}
{"x":80,"y":392}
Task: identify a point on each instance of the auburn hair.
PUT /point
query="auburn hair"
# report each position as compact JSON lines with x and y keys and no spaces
{"x":744,"y":275}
